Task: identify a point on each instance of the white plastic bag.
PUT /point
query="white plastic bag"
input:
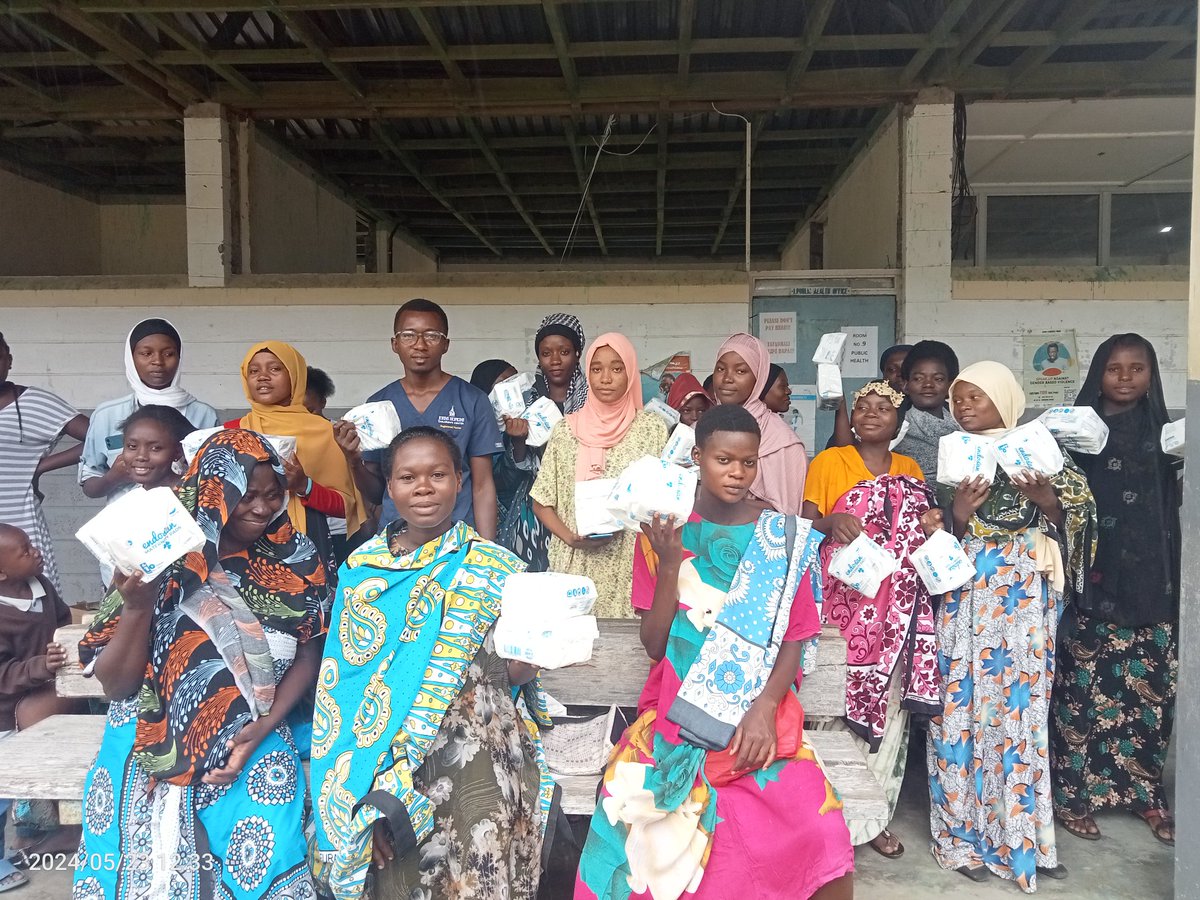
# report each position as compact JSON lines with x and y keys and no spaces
{"x":648,"y":486}
{"x":538,"y":598}
{"x":542,"y":415}
{"x":1029,"y":448}
{"x":863,"y":565}
{"x":963,"y":456}
{"x":142,"y":531}
{"x":831,"y":349}
{"x":508,"y":396}
{"x":829,"y":385}
{"x":664,"y":412}
{"x":377,"y":424}
{"x":1077,"y":428}
{"x":591,"y":507}
{"x":1172,"y":438}
{"x":680,"y":445}
{"x":941,"y":563}
{"x":193,"y":442}
{"x":549,"y":646}
{"x":900,"y":435}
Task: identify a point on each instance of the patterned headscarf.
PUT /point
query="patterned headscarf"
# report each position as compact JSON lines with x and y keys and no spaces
{"x":568,"y":326}
{"x":883,"y":389}
{"x":224,"y":629}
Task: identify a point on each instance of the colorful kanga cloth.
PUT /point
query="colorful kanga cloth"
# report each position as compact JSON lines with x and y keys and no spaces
{"x":989,"y":750}
{"x":408,"y":626}
{"x":895,"y":627}
{"x":661,"y":830}
{"x":225,"y":633}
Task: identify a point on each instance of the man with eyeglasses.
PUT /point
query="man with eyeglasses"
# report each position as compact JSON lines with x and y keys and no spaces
{"x":428,"y":396}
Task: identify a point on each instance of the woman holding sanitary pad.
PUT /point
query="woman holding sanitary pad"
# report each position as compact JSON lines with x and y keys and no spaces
{"x":1031,"y":539}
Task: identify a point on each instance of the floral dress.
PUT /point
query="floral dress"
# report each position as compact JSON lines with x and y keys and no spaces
{"x":611,"y":567}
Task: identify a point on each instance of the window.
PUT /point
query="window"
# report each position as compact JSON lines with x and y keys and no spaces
{"x":1150,"y":229}
{"x":1035,"y":230}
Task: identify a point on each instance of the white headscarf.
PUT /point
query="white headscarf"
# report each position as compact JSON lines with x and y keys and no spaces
{"x":998,"y":382}
{"x":173,"y":394}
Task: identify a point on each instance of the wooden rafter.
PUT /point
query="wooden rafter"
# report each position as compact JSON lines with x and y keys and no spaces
{"x":314,"y":39}
{"x":502,"y":177}
{"x":175,"y":32}
{"x":1071,"y":20}
{"x":687,"y":15}
{"x":816,"y":18}
{"x":937,"y":37}
{"x":562,"y":45}
{"x":994,"y":18}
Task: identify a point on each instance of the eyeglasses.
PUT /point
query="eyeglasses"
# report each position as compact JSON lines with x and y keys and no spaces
{"x":431,"y":338}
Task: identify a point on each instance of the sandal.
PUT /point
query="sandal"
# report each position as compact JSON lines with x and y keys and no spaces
{"x":1162,"y":825}
{"x":13,"y":880}
{"x":885,"y":839}
{"x":978,"y":874}
{"x":1080,"y":825}
{"x":1058,"y":873}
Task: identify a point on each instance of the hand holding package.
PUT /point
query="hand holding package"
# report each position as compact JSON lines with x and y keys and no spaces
{"x":285,"y":447}
{"x":508,"y":396}
{"x":650,"y":486}
{"x":591,"y":507}
{"x":941,"y":563}
{"x":664,"y":412}
{"x":377,"y":424}
{"x":1172,"y":438}
{"x":963,"y":456}
{"x":142,"y":531}
{"x":541,"y":598}
{"x":863,"y":565}
{"x":542,"y":415}
{"x":547,"y":646}
{"x":831,"y":349}
{"x":829,"y":385}
{"x":1077,"y":428}
{"x":680,"y":445}
{"x":1029,"y":448}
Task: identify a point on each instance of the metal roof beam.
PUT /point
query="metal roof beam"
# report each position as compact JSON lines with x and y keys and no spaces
{"x":687,"y":14}
{"x":995,"y":17}
{"x":1070,"y":20}
{"x":941,"y":31}
{"x":816,"y":17}
{"x":299,"y":24}
{"x":473,"y":130}
{"x":562,"y":47}
{"x":176,"y":33}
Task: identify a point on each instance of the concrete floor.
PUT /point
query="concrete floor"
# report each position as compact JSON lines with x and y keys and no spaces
{"x":1127,"y":864}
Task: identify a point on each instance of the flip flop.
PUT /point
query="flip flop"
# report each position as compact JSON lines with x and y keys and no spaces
{"x":1073,"y":824}
{"x":13,"y":880}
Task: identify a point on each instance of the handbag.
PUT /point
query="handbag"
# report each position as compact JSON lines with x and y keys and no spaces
{"x":789,"y":738}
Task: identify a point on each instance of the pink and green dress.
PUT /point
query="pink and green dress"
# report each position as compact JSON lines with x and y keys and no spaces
{"x":660,"y":829}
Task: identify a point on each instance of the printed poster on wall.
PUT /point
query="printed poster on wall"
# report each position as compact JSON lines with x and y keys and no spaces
{"x":1050,"y":369}
{"x":778,"y":331}
{"x":861,"y":358}
{"x":658,"y":378}
{"x":802,"y":415}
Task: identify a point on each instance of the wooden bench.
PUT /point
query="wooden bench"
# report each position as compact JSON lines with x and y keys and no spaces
{"x":50,"y":760}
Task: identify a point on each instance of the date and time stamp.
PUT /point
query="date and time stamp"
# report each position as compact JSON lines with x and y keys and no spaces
{"x":110,"y":862}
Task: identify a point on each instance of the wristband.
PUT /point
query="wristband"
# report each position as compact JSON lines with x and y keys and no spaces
{"x":307,"y":490}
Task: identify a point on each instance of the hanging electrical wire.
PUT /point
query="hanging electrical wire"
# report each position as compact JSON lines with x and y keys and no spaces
{"x":963,"y":205}
{"x":587,"y":185}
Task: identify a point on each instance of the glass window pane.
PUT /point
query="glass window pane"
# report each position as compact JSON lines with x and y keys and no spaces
{"x":1150,"y":229}
{"x":1026,"y":231}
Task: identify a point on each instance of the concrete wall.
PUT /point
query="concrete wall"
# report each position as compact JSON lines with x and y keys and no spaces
{"x":296,"y":223}
{"x":143,"y":239}
{"x":796,"y":255}
{"x":45,"y":231}
{"x":863,"y":210}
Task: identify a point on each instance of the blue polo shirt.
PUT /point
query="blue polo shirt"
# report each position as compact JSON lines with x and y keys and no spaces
{"x":462,"y":411}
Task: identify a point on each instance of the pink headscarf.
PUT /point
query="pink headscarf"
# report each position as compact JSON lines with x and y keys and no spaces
{"x":782,"y":461}
{"x":600,"y":426}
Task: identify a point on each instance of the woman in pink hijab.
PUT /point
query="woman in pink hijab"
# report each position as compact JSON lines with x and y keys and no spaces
{"x":739,"y":377}
{"x":609,"y":432}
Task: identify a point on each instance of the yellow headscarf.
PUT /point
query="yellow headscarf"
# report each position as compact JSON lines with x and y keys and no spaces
{"x":316,"y":450}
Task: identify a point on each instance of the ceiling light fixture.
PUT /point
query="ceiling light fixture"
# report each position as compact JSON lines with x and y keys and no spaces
{"x":1165,"y":229}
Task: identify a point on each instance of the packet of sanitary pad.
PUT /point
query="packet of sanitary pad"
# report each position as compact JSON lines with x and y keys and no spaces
{"x":649,"y":486}
{"x":542,"y":415}
{"x":377,"y":424}
{"x":1030,"y":447}
{"x":664,"y":412}
{"x":1172,"y":438}
{"x":547,"y":646}
{"x":508,"y":396}
{"x":831,"y":349}
{"x":680,"y":445}
{"x":534,"y":599}
{"x":963,"y":456}
{"x":1077,"y":428}
{"x":941,"y":563}
{"x":863,"y":565}
{"x":829,"y":385}
{"x":591,"y":507}
{"x":285,"y":447}
{"x":142,"y":531}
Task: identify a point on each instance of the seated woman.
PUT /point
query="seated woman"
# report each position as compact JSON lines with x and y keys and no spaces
{"x":198,"y":789}
{"x":891,"y":665}
{"x":712,"y":792}
{"x":319,"y":480}
{"x":426,"y":763}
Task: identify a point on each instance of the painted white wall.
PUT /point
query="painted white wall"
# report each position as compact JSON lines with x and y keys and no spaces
{"x":296,"y":223}
{"x":863,"y":210}
{"x":45,"y":231}
{"x":143,"y":239}
{"x":796,"y":255}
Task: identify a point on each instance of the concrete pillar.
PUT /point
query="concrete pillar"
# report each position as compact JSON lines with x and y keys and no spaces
{"x":926,"y":148}
{"x":210,"y":195}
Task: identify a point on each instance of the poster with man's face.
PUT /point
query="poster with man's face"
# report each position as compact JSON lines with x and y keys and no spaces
{"x":1051,"y":370}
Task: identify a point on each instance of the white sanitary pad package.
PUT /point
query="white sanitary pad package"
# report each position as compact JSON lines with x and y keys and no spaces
{"x":142,"y":531}
{"x":542,"y":415}
{"x":285,"y":447}
{"x":548,"y":645}
{"x":1029,"y":448}
{"x":831,"y":349}
{"x":539,"y":598}
{"x":1077,"y":428}
{"x":863,"y":565}
{"x":651,"y":485}
{"x":829,"y":385}
{"x":680,"y":445}
{"x":591,"y":507}
{"x":1172,"y":438}
{"x":941,"y":563}
{"x":962,"y":456}
{"x":664,"y":412}
{"x":508,"y":396}
{"x":376,"y":423}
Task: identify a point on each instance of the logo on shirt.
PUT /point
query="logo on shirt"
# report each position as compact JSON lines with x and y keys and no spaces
{"x":451,"y":420}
